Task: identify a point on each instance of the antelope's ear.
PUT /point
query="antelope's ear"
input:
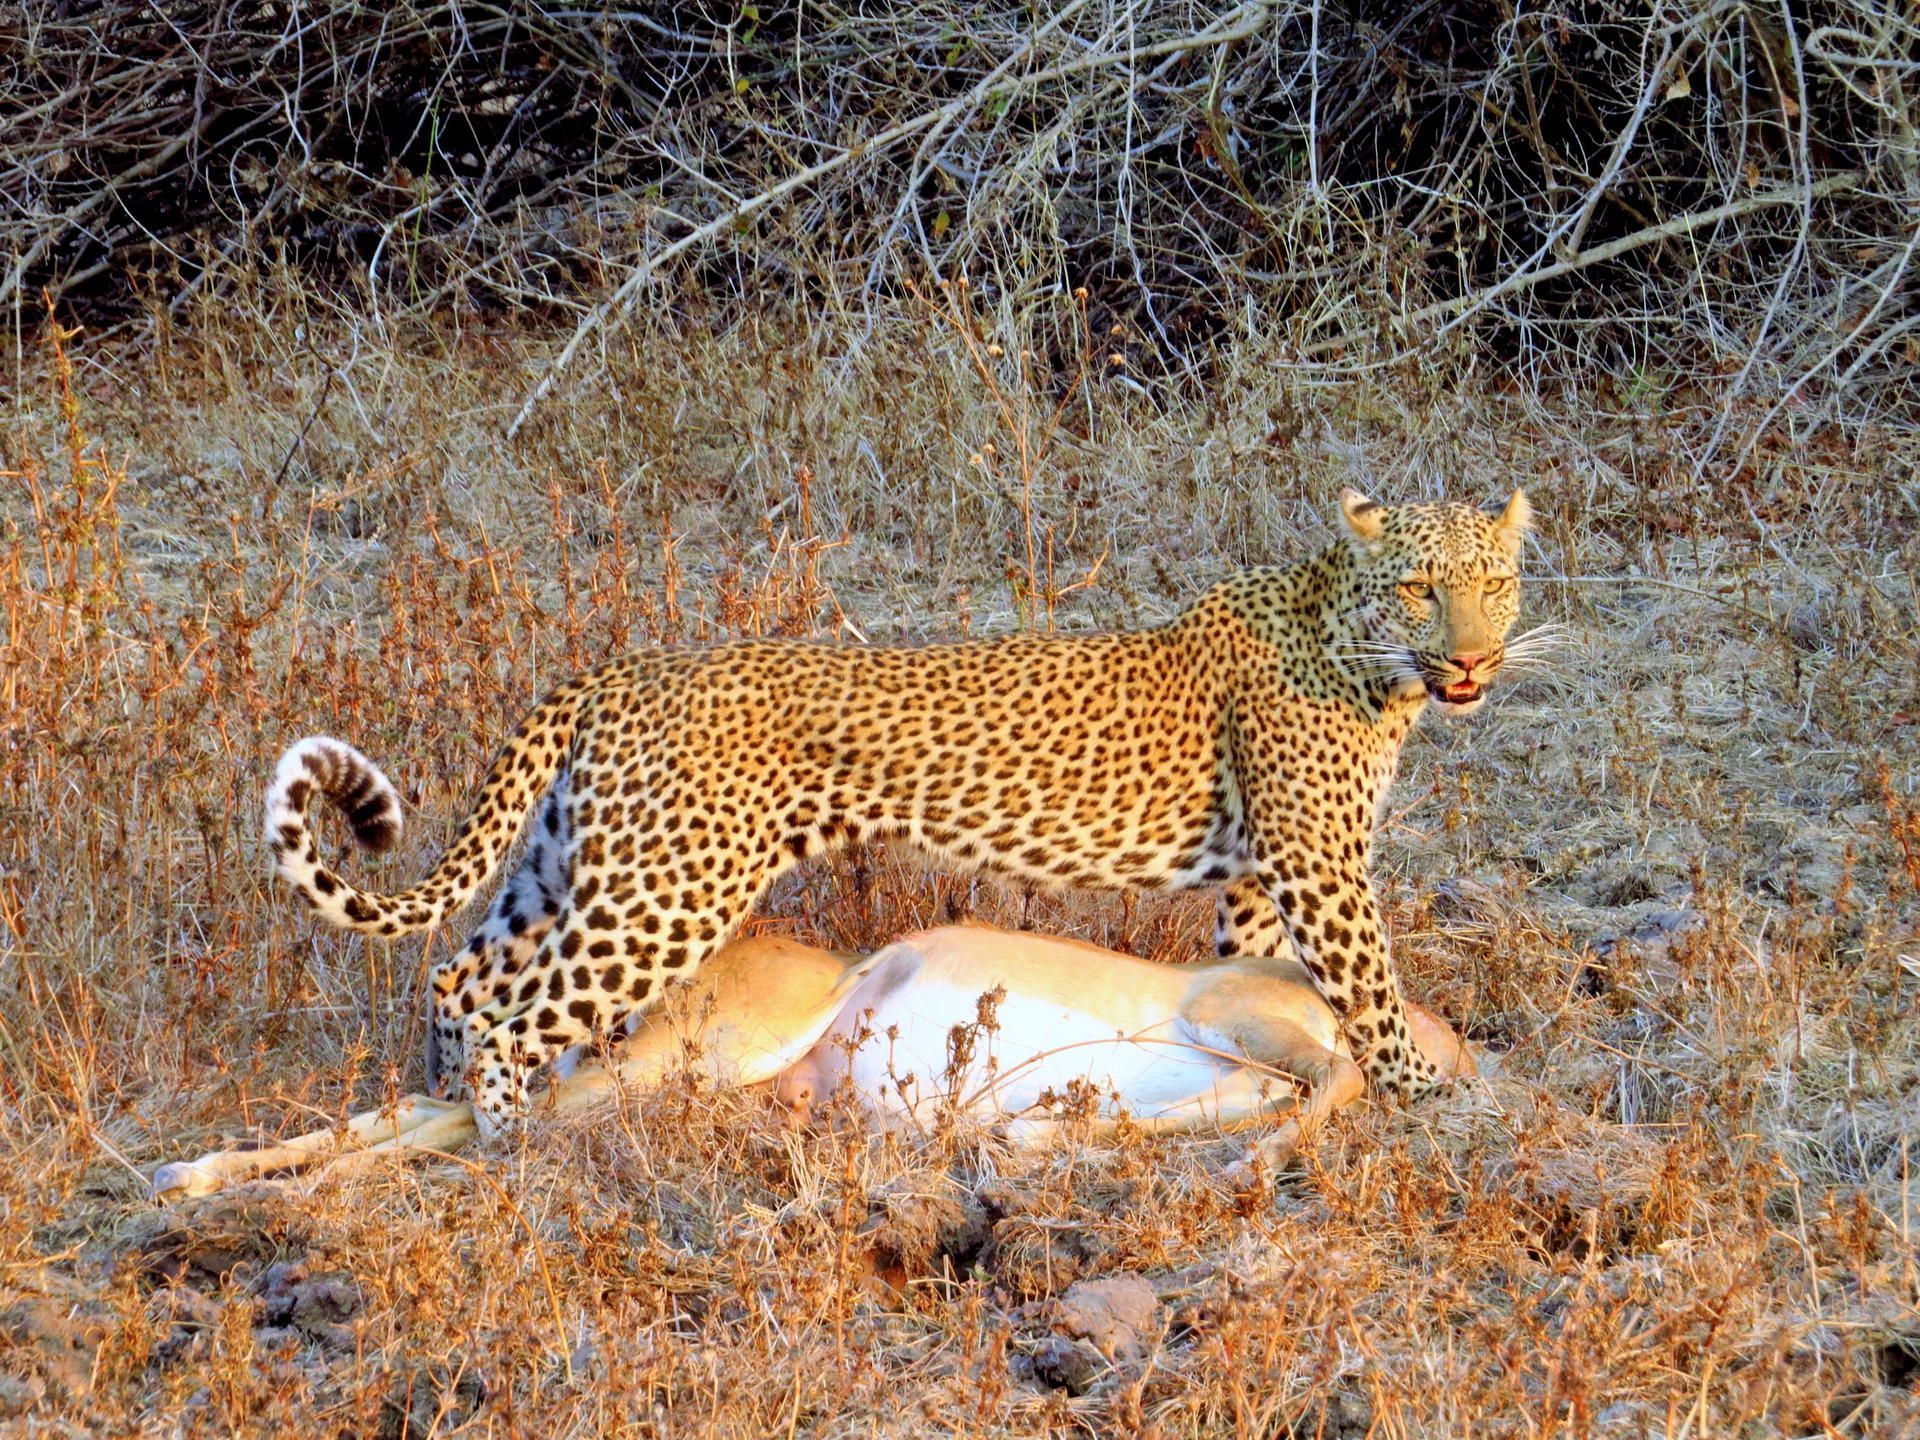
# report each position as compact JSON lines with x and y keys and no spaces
{"x":1515,"y":518}
{"x":1365,"y":518}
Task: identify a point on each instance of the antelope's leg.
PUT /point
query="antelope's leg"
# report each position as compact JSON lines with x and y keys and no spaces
{"x":453,"y":1126}
{"x":418,"y":1122}
{"x":1284,"y":1059}
{"x":1244,"y":1096}
{"x":1274,"y":1039}
{"x":1344,"y":1085}
{"x":1268,"y":1025}
{"x":1190,"y":1117}
{"x":220,"y":1168}
{"x":448,"y":1130}
{"x":1438,"y":1041}
{"x":748,"y":1050}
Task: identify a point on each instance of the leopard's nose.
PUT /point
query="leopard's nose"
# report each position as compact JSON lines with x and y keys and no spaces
{"x":1469,"y":661}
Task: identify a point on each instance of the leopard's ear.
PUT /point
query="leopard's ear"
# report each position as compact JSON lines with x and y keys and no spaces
{"x":1515,"y":518}
{"x":1365,"y":518}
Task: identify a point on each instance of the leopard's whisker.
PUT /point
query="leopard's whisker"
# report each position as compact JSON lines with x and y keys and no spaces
{"x":1531,"y":652}
{"x":1552,"y":633}
{"x":1366,"y":655}
{"x":1367,"y":666}
{"x":1396,"y":654}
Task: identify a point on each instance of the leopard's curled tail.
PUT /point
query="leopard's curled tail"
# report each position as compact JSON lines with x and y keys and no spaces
{"x":320,"y":765}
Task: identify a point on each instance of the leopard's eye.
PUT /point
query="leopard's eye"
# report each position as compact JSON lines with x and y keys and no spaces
{"x":1416,"y":589}
{"x":1499,"y":584}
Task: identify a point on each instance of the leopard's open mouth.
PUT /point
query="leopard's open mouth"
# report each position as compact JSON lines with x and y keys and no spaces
{"x":1457,"y":692}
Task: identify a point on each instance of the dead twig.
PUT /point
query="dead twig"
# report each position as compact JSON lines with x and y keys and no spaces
{"x":1611,"y":250}
{"x":1236,"y":26}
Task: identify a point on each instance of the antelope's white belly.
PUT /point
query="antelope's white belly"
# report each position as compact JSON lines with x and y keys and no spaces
{"x":926,"y":1049}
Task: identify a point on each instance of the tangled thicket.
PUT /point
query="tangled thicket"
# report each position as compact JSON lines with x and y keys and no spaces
{"x":1707,"y":186}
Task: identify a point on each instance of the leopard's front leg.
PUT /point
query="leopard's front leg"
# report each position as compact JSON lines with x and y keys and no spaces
{"x":1309,"y":779}
{"x":1334,"y":922}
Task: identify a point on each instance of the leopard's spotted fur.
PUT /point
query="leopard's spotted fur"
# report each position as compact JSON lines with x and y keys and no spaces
{"x":1248,"y":744}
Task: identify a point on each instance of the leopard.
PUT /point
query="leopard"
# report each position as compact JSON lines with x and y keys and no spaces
{"x":1247,"y":744}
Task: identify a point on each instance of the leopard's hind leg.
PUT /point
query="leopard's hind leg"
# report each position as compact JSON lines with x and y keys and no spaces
{"x":500,"y":949}
{"x":628,"y":925}
{"x":1246,"y":923}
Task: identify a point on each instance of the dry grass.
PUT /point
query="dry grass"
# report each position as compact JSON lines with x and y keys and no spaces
{"x":1671,"y":884}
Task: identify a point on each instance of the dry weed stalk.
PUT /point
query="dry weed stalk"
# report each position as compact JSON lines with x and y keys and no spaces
{"x":1031,"y":429}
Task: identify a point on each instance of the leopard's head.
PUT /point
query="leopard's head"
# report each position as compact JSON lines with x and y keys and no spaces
{"x":1434,"y":591}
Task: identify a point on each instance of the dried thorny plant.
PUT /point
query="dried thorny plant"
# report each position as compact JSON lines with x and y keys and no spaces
{"x":1030,"y":421}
